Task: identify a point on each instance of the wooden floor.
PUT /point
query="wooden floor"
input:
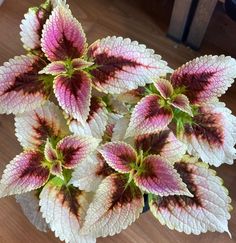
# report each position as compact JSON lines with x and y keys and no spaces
{"x":148,"y":25}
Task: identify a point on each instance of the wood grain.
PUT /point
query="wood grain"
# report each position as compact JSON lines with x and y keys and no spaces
{"x":128,"y":18}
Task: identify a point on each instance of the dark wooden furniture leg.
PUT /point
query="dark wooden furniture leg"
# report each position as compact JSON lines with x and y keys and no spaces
{"x":202,"y":17}
{"x":179,"y":19}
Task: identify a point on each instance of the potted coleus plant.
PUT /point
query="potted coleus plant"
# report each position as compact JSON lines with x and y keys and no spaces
{"x":108,"y":126}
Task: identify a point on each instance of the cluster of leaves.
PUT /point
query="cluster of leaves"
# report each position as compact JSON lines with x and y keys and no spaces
{"x":123,"y":125}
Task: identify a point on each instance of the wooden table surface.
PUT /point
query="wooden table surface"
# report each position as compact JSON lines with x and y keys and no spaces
{"x":128,"y":18}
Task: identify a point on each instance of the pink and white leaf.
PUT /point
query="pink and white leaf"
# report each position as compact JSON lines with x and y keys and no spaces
{"x":124,"y":65}
{"x":164,"y":87}
{"x":89,"y":174}
{"x":119,"y":129}
{"x":79,"y":63}
{"x":32,"y":25}
{"x":21,"y":87}
{"x":35,"y":127}
{"x":73,"y":94}
{"x":64,"y":210}
{"x":96,"y":122}
{"x":163,"y":143}
{"x":114,"y":207}
{"x":29,"y":203}
{"x":63,"y":36}
{"x":212,"y":135}
{"x":50,"y":153}
{"x":54,"y":68}
{"x":205,"y":78}
{"x":149,"y":116}
{"x":113,"y":119}
{"x":159,"y":177}
{"x":208,"y":210}
{"x":23,"y":174}
{"x":181,"y":102}
{"x":119,"y":156}
{"x":74,"y":149}
{"x":57,"y":170}
{"x":59,"y":67}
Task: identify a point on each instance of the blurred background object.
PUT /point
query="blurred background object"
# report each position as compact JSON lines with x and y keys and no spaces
{"x":230,"y":7}
{"x":190,"y":19}
{"x":148,"y":23}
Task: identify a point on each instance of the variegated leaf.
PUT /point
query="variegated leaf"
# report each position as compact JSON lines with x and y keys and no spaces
{"x":115,"y":206}
{"x":29,"y":203}
{"x":159,"y":177}
{"x":57,"y":170}
{"x":63,"y":37}
{"x":212,"y":134}
{"x":163,"y":143}
{"x":54,"y":68}
{"x":21,"y":87}
{"x":181,"y":102}
{"x":205,"y":78}
{"x":73,"y":94}
{"x":34,"y":128}
{"x":96,"y":122}
{"x":74,"y":149}
{"x":32,"y":25}
{"x":24,"y":173}
{"x":164,"y":87}
{"x":64,"y":208}
{"x":206,"y":211}
{"x":119,"y":156}
{"x":113,"y":130}
{"x":50,"y":153}
{"x":89,"y":174}
{"x":149,"y":116}
{"x":61,"y":67}
{"x":122,"y":64}
{"x":119,"y":129}
{"x":51,"y":156}
{"x":79,"y":63}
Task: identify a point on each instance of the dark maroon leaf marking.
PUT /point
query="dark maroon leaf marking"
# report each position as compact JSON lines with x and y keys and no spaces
{"x":56,"y":168}
{"x":42,"y":15}
{"x":193,"y":83}
{"x":139,"y":92}
{"x":207,"y":127}
{"x":43,"y":129}
{"x":95,"y":105}
{"x":148,"y":172}
{"x":108,"y":133}
{"x":30,"y":82}
{"x":68,"y":197}
{"x":69,"y":153}
{"x":34,"y":168}
{"x":66,"y":49}
{"x":103,"y":168}
{"x":73,"y":83}
{"x":152,"y":143}
{"x":186,"y":173}
{"x":123,"y":194}
{"x":108,"y":66}
{"x":153,"y":109}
